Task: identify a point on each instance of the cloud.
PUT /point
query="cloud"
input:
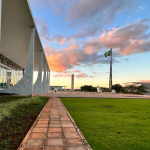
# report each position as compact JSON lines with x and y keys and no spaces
{"x":64,"y":59}
{"x":92,"y":46}
{"x":62,"y":75}
{"x":89,"y":9}
{"x":139,"y":9}
{"x":95,"y":73}
{"x":93,"y":15}
{"x":92,"y":76}
{"x":75,"y":71}
{"x":58,"y":39}
{"x":74,"y":55}
{"x":88,"y":16}
{"x":144,"y":81}
{"x":81,"y":75}
{"x":129,"y":39}
{"x":42,"y":28}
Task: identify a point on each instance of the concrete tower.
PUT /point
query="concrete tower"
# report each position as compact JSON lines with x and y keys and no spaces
{"x":72,"y":82}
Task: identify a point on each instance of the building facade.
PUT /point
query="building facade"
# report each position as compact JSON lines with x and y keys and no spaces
{"x":21,"y":51}
{"x":10,"y":73}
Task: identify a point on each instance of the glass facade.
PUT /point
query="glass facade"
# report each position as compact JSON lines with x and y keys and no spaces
{"x":10,"y":73}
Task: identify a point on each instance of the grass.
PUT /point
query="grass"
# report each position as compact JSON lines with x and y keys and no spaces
{"x":112,"y":124}
{"x":17,"y":114}
{"x":4,"y":99}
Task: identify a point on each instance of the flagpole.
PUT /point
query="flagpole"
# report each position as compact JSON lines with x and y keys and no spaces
{"x":110,"y":77}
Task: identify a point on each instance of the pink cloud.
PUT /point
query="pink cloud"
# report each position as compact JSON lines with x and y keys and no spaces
{"x":65,"y":59}
{"x":62,"y":75}
{"x":126,"y":40}
{"x":129,"y":39}
{"x":76,"y":71}
{"x":144,"y":81}
{"x":92,"y":46}
{"x":58,"y":39}
{"x":81,"y":75}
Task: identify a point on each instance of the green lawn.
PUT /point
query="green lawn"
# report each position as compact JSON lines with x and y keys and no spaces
{"x":112,"y":124}
{"x":4,"y":99}
{"x":17,"y":114}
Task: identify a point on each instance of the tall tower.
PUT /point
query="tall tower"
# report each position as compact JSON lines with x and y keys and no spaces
{"x":110,"y":77}
{"x":72,"y":82}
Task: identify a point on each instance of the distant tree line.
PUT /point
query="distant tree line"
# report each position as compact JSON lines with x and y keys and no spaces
{"x":88,"y":88}
{"x":131,"y":89}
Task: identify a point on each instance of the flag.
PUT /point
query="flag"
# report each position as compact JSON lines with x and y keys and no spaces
{"x":107,"y":53}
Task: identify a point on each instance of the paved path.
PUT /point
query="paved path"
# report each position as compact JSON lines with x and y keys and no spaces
{"x":54,"y":129}
{"x":94,"y":95}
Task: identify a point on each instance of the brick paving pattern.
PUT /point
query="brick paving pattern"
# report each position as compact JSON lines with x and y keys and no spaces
{"x":53,"y":130}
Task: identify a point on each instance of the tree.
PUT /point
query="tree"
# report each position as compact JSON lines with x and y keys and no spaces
{"x":134,"y":89}
{"x":88,"y":88}
{"x":122,"y":90}
{"x":117,"y":88}
{"x":142,"y":89}
{"x":104,"y":89}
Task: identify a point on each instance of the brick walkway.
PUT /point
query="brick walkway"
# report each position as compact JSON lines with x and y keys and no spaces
{"x":54,"y":129}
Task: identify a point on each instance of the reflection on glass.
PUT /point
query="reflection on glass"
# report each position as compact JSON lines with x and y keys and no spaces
{"x":10,"y":73}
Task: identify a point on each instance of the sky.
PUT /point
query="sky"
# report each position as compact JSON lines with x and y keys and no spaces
{"x":76,"y":33}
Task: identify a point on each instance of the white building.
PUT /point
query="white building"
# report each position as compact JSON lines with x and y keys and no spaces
{"x":21,"y":51}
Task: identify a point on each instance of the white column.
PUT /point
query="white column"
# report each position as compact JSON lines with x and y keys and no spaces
{"x":25,"y":85}
{"x":44,"y":80}
{"x":47,"y":79}
{"x":37,"y":87}
{"x":49,"y":82}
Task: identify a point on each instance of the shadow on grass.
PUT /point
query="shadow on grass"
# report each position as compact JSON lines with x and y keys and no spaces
{"x":4,"y":99}
{"x":14,"y":128}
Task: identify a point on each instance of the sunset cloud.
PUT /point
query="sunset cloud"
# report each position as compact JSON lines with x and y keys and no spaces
{"x":90,"y":16}
{"x":92,"y":46}
{"x":144,"y":81}
{"x":62,"y":75}
{"x":93,"y":15}
{"x":72,"y":56}
{"x":81,"y":75}
{"x":58,"y":39}
{"x":75,"y":71}
{"x":64,"y":59}
{"x":129,"y":39}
